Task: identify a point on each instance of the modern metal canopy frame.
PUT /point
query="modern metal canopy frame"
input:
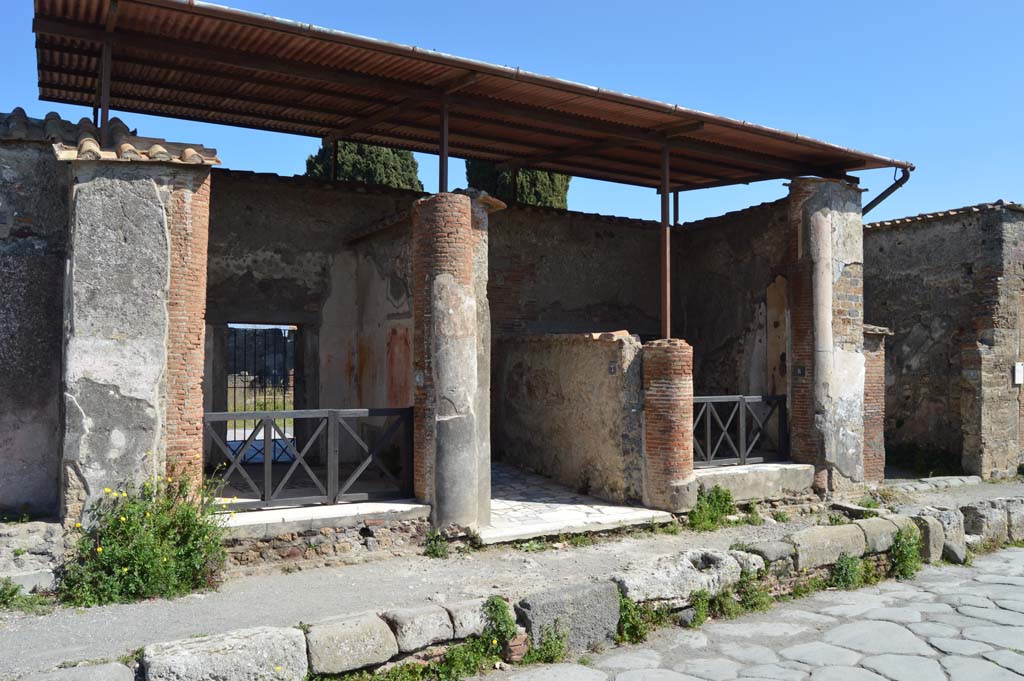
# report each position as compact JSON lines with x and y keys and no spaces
{"x":197,"y":61}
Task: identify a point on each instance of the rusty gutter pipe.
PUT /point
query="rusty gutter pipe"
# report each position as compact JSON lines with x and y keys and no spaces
{"x":904,"y":177}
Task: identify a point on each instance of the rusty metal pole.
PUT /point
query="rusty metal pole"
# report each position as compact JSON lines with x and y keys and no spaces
{"x":333,"y":144}
{"x":442,"y":175}
{"x":666,"y":270}
{"x":105,"y":60}
{"x":675,"y":208}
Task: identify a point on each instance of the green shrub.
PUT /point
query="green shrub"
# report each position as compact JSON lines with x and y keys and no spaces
{"x":725,"y":605}
{"x":700,"y":601}
{"x":906,"y":552}
{"x":553,"y":647}
{"x":847,"y":573}
{"x":754,"y":515}
{"x":780,"y":516}
{"x":501,"y":625}
{"x":753,"y":594}
{"x":869,"y":502}
{"x":163,"y":540}
{"x":711,"y":509}
{"x":437,"y":545}
{"x":873,"y":572}
{"x":671,"y":527}
{"x":838,"y":519}
{"x":531,"y":546}
{"x":636,"y":620}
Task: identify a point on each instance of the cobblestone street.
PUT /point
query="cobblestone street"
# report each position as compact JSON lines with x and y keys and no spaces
{"x":961,"y":624}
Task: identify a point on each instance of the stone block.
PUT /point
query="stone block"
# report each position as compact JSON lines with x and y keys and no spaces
{"x":258,"y":654}
{"x":588,"y":613}
{"x":1015,"y":519}
{"x":748,"y":562}
{"x":878,"y":534}
{"x":987,"y":519}
{"x":97,"y":672}
{"x":761,"y":481}
{"x":772,"y":551}
{"x":468,"y":618}
{"x":817,"y":546}
{"x":900,"y":520}
{"x":955,"y":548}
{"x":349,"y":644}
{"x":933,"y":537}
{"x":417,"y":628}
{"x":675,"y":577}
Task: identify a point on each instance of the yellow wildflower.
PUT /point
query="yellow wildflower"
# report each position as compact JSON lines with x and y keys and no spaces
{"x":147,"y":514}
{"x":78,"y":526}
{"x":99,"y":549}
{"x":107,"y":490}
{"x":494,"y":641}
{"x":124,"y":570}
{"x":277,"y":667}
{"x":165,"y":559}
{"x":123,"y":519}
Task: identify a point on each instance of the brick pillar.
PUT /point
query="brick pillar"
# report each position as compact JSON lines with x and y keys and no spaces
{"x":188,"y":229}
{"x":874,"y":403}
{"x":445,"y":448}
{"x":668,"y":425}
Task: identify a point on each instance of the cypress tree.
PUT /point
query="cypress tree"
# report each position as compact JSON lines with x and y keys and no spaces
{"x":535,"y":187}
{"x":367,"y":163}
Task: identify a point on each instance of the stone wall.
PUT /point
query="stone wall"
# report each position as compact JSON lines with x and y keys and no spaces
{"x":34,"y":189}
{"x":557,"y":271}
{"x":724,"y":270}
{"x":568,"y":406}
{"x":949,"y":286}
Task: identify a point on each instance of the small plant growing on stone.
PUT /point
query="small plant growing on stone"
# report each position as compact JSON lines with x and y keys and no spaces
{"x":753,"y":516}
{"x":671,"y":527}
{"x":553,"y":647}
{"x":712,"y":508}
{"x":906,"y":552}
{"x":753,"y":594}
{"x":636,"y":620}
{"x":162,"y":540}
{"x":436,"y":546}
{"x":805,"y":587}
{"x":873,"y":572}
{"x":501,"y":625}
{"x":847,"y":573}
{"x":780,"y":516}
{"x":725,"y":606}
{"x":532,"y":546}
{"x":838,"y":519}
{"x":700,"y":601}
{"x":869,"y":501}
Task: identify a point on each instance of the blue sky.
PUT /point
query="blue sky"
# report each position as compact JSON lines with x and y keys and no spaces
{"x":937,"y":84}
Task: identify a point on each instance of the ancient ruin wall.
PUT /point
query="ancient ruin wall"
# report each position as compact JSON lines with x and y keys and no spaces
{"x":33,"y":241}
{"x":723,"y":272}
{"x":927,"y":281}
{"x":556,"y":271}
{"x":569,"y":407}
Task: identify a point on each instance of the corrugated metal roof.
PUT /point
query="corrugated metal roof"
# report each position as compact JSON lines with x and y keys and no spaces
{"x":943,"y":214}
{"x":81,"y":141}
{"x":197,"y":61}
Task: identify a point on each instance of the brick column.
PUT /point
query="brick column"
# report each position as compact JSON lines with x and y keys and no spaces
{"x":188,"y":229}
{"x":668,"y":425}
{"x":874,"y":403}
{"x":445,"y":448}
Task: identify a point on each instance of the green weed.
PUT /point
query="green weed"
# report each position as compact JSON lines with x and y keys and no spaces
{"x":553,"y":647}
{"x":711,"y":509}
{"x":636,"y":620}
{"x":780,"y":516}
{"x":700,"y":601}
{"x":436,"y":546}
{"x":906,"y":552}
{"x":13,"y":597}
{"x":163,"y":540}
{"x":847,"y":573}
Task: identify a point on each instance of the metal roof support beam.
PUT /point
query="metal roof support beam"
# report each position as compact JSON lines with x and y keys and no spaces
{"x":666,"y":257}
{"x":442,"y":175}
{"x":105,"y":74}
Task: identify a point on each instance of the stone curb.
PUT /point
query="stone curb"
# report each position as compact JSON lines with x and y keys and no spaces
{"x":588,"y":612}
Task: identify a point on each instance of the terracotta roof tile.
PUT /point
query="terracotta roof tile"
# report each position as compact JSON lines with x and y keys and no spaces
{"x":81,"y":141}
{"x":954,"y":212}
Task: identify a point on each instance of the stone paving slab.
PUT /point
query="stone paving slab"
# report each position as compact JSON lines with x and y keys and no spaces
{"x":891,"y":632}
